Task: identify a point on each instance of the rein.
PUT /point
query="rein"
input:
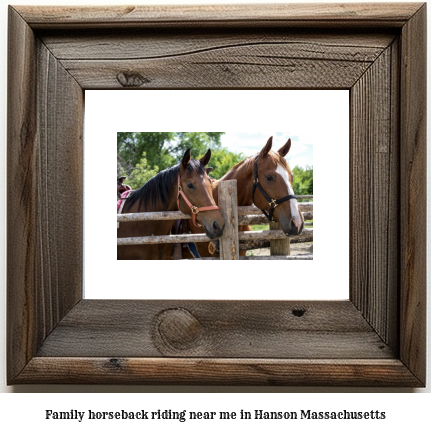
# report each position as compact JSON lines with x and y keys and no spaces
{"x":272,"y":202}
{"x":195,"y":210}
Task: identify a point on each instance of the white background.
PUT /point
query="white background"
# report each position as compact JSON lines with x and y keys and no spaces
{"x":27,"y":410}
{"x":320,"y":117}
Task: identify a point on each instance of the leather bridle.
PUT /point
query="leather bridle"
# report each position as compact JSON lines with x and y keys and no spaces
{"x":272,"y":202}
{"x":195,"y":210}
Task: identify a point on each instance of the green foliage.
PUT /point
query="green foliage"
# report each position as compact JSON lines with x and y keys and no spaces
{"x":198,"y":142}
{"x":140,"y":155}
{"x":164,"y":149}
{"x":140,"y":174}
{"x":303,"y":180}
{"x":222,"y":160}
{"x":131,"y":147}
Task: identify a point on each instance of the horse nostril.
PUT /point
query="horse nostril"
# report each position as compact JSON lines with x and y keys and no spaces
{"x":216,"y":226}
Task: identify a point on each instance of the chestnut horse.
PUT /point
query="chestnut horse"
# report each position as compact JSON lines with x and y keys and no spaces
{"x":184,"y":187}
{"x":275,"y":179}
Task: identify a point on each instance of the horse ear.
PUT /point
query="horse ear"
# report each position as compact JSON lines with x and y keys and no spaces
{"x":209,"y":169}
{"x":285,"y":149}
{"x":186,"y":159}
{"x":205,"y":159}
{"x":266,"y":149}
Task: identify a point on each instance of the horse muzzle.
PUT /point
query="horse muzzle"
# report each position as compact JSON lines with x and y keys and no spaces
{"x":214,"y":231}
{"x":291,"y":226}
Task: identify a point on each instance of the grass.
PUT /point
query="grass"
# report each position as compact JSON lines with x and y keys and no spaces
{"x":260,"y":227}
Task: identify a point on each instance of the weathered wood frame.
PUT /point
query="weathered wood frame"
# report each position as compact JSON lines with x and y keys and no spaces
{"x":376,"y":338}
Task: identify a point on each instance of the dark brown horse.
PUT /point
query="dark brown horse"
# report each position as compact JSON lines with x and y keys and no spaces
{"x":161,"y":193}
{"x":275,"y":177}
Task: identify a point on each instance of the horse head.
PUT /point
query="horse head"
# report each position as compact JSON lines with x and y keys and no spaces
{"x":196,"y":186}
{"x":276,"y":179}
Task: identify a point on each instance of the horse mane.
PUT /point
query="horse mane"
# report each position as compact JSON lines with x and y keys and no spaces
{"x":248,"y":163}
{"x":159,"y":188}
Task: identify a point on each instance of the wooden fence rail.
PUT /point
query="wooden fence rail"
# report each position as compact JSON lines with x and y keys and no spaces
{"x":260,"y":219}
{"x":261,"y":258}
{"x":252,"y":210}
{"x":247,"y":244}
{"x":244,"y":212}
{"x":232,"y":241}
{"x":200,"y":238}
{"x":152,"y":216}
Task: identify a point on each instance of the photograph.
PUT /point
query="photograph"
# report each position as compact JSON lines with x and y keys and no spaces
{"x":150,"y":184}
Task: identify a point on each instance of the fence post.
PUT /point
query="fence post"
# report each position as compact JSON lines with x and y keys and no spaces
{"x":279,"y":247}
{"x":228,"y":204}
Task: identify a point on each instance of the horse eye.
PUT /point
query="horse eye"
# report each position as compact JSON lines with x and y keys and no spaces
{"x":190,"y":186}
{"x":269,"y":178}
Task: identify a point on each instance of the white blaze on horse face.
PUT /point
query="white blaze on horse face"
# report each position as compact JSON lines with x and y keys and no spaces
{"x":294,"y":211}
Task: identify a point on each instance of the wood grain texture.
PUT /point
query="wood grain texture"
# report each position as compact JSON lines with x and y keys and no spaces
{"x":180,"y":215}
{"x":243,"y":329}
{"x":165,"y":239}
{"x":245,"y":245}
{"x":374,"y":195}
{"x":22,"y":200}
{"x":413,"y":194}
{"x":206,"y":60}
{"x":262,"y":220}
{"x":45,"y":156}
{"x":198,"y":371}
{"x":356,"y":342}
{"x":279,"y":247}
{"x":59,"y":247}
{"x":228,"y":203}
{"x":269,"y":235}
{"x":252,"y":210}
{"x":174,"y":215}
{"x":393,"y":227}
{"x":299,"y":14}
{"x":140,"y":44}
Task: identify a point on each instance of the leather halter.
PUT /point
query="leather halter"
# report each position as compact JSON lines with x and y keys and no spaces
{"x":195,"y":210}
{"x":272,"y":202}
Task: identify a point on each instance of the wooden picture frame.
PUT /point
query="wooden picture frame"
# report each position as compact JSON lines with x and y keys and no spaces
{"x":376,"y":338}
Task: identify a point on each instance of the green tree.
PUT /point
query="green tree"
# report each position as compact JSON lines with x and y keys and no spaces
{"x":140,"y":174}
{"x":222,"y":160}
{"x":162,"y":149}
{"x":131,"y":147}
{"x":198,"y":142}
{"x":303,"y":180}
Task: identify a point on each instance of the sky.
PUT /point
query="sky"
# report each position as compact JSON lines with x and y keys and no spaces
{"x":249,"y":143}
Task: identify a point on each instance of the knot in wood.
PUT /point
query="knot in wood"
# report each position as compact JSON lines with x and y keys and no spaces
{"x":131,"y":79}
{"x":298,"y":312}
{"x":178,"y":329}
{"x":115,"y":363}
{"x":211,"y":248}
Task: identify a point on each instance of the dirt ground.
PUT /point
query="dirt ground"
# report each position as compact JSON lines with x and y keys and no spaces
{"x":295,"y":249}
